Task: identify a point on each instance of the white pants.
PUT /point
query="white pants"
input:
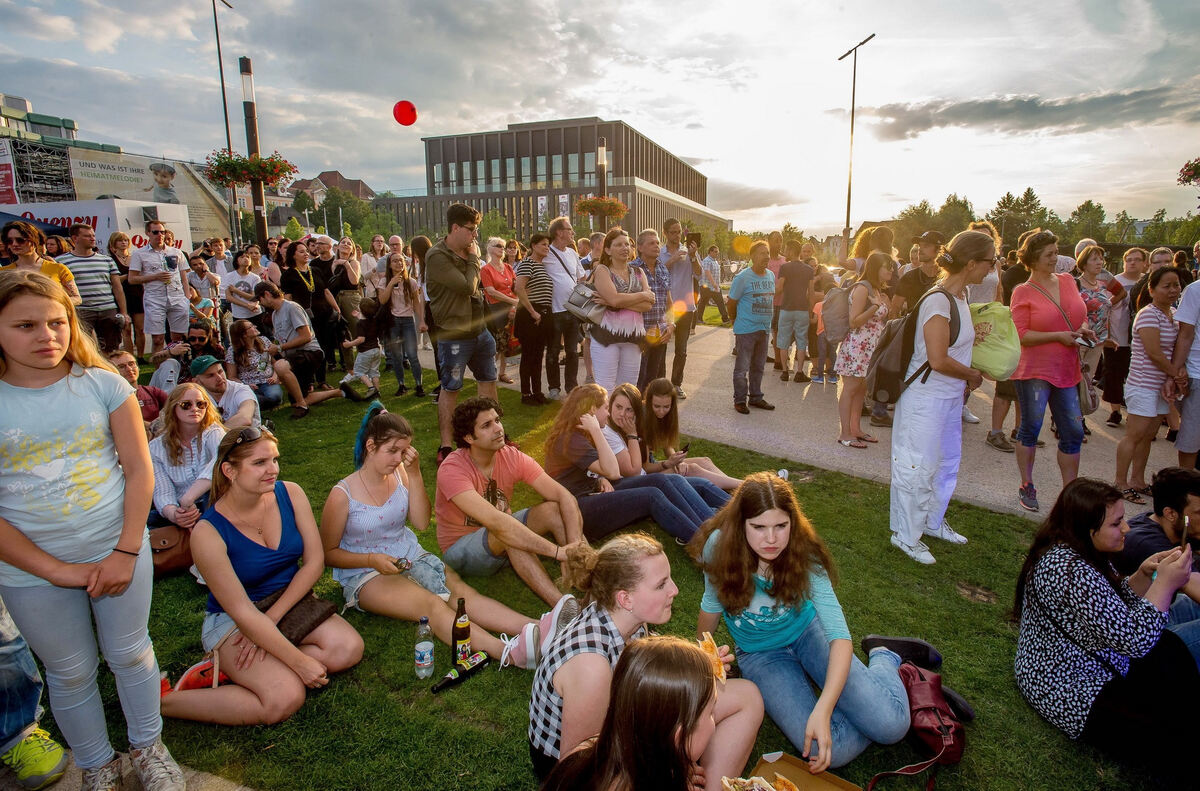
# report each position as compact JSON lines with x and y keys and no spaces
{"x":616,"y":364}
{"x":926,"y":450}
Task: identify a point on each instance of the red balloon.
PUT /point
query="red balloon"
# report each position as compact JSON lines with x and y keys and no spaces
{"x":405,"y":113}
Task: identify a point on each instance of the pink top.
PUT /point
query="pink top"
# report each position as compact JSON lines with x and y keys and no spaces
{"x":775,"y":264}
{"x":500,"y":279}
{"x":458,"y":474}
{"x":1142,"y":370}
{"x":1033,"y":310}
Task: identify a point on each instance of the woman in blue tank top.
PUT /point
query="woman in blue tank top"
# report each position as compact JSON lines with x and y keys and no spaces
{"x":248,"y":545}
{"x":383,"y":569}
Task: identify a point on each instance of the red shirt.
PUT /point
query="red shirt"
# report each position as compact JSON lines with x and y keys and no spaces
{"x":501,"y":281}
{"x":775,"y":264}
{"x":151,"y":400}
{"x":458,"y":474}
{"x":1033,"y":310}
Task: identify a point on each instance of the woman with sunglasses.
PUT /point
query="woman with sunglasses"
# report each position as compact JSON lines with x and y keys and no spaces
{"x":498,"y":277}
{"x":24,"y":243}
{"x":374,"y":258}
{"x":248,"y":545}
{"x":183,"y":456}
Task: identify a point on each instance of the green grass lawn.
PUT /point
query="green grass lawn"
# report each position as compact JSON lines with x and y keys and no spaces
{"x":378,"y":726}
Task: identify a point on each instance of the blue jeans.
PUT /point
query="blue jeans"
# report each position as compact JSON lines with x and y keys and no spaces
{"x":604,"y":513}
{"x":269,"y":396}
{"x":478,"y":354}
{"x":1033,"y":395}
{"x":63,"y":626}
{"x":1184,"y":620}
{"x":751,"y":349}
{"x":682,"y":492}
{"x":873,"y":706}
{"x":20,"y":685}
{"x":402,"y":345}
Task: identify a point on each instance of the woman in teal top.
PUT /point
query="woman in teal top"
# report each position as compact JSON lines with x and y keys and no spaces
{"x":769,"y":575}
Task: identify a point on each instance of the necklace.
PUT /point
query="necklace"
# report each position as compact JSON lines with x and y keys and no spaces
{"x":367,"y":489}
{"x":308,"y":281}
{"x":249,"y":518}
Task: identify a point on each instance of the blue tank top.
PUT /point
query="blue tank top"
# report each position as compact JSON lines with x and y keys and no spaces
{"x":262,"y":571}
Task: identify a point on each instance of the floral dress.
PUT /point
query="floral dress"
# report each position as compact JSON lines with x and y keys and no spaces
{"x":1098,"y":302}
{"x":855,"y":352}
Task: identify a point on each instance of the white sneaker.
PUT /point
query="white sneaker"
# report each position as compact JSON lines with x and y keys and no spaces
{"x":554,"y":393}
{"x":968,"y":416}
{"x":947,"y":533}
{"x":919,"y":553}
{"x":103,"y":778}
{"x":782,"y":474}
{"x":156,"y":768}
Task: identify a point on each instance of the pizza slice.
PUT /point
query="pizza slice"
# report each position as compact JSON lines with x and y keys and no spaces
{"x":709,"y":645}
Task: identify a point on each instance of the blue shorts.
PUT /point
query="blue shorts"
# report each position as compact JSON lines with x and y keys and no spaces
{"x":793,"y":327}
{"x":478,"y":354}
{"x":427,"y":570}
{"x":216,"y":625}
{"x":470,"y":555}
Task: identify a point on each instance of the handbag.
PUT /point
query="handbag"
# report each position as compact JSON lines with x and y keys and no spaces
{"x":933,"y":724}
{"x":582,"y":304}
{"x":1089,"y":397}
{"x":305,"y":615}
{"x":170,"y":549}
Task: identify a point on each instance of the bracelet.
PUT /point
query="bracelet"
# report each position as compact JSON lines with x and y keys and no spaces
{"x":633,"y":438}
{"x":557,"y":549}
{"x":125,"y":552}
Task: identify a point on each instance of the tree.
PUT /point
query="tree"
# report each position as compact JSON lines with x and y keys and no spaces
{"x":1121,"y":229}
{"x":790,"y":232}
{"x":1158,"y":230}
{"x":1087,"y":222}
{"x":912,"y":221}
{"x":354,"y":210}
{"x":293,"y":230}
{"x":953,"y":216}
{"x":494,"y":224}
{"x":249,"y":232}
{"x":303,"y":201}
{"x":345,"y":230}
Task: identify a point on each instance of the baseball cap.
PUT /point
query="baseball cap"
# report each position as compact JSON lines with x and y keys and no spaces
{"x":929,"y":237}
{"x":202,"y":364}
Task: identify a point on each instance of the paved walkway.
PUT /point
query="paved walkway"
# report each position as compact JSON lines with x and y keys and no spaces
{"x":71,"y":781}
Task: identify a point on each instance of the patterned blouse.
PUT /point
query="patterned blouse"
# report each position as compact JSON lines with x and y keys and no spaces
{"x":1061,"y":668}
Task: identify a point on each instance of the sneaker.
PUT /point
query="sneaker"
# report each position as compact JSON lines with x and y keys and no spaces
{"x":1114,"y":419}
{"x":156,"y":768}
{"x":419,"y":392}
{"x":783,"y":377}
{"x":104,"y":778}
{"x":762,"y":403}
{"x":529,"y":400}
{"x":946,"y":533}
{"x":371,"y":394}
{"x":554,"y":393}
{"x":909,"y":649}
{"x":782,"y":474}
{"x":800,"y":376}
{"x":968,"y":416}
{"x":998,"y":441}
{"x":818,"y":380}
{"x":831,"y":378}
{"x":200,"y":676}
{"x":522,"y":650}
{"x":919,"y":552}
{"x":884,"y":421}
{"x":401,"y":390}
{"x":37,"y":760}
{"x":442,"y":453}
{"x":742,"y":409}
{"x":1027,"y":496}
{"x":679,"y":392}
{"x":555,"y":620}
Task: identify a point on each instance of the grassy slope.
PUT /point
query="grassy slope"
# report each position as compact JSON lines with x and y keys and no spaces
{"x":377,"y":726}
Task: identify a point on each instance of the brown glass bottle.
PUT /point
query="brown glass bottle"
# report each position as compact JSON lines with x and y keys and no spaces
{"x":460,"y":637}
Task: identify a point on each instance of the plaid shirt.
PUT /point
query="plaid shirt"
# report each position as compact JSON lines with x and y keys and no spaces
{"x":660,"y":286}
{"x":592,"y":632}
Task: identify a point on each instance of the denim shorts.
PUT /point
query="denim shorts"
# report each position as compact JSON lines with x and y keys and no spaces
{"x":427,"y":570}
{"x":216,"y":625}
{"x":793,"y":326}
{"x":478,"y":354}
{"x":1034,"y":395}
{"x":470,"y":555}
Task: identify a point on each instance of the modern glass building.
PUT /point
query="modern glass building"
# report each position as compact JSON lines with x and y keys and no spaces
{"x":534,"y":172}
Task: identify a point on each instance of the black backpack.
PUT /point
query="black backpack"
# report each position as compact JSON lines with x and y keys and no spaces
{"x":893,"y":353}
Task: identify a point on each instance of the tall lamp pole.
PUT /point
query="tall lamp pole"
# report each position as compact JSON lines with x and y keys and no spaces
{"x":258,"y":194}
{"x":850,"y":176}
{"x":234,"y":224}
{"x":602,"y":175}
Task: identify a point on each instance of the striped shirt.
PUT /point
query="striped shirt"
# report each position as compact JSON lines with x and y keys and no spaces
{"x":171,"y":481}
{"x":539,"y":288}
{"x":93,"y":277}
{"x":1142,"y":371}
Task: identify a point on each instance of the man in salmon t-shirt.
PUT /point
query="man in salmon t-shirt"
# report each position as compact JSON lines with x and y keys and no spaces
{"x":476,"y":528}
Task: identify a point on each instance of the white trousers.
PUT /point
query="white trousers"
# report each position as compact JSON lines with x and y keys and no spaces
{"x":926,"y":450}
{"x":615,"y":364}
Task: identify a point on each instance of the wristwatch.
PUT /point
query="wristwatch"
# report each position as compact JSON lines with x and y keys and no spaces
{"x":632,"y":438}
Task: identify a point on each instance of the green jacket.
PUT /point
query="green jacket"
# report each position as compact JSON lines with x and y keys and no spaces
{"x":455,"y":293}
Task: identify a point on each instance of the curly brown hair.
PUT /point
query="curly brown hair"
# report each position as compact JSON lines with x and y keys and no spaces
{"x":733,"y":563}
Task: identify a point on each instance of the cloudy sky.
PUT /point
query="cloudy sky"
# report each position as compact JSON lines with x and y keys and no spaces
{"x":1077,"y":98}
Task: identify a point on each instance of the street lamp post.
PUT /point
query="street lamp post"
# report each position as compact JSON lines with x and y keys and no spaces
{"x":258,"y":194}
{"x":602,"y":175}
{"x":850,"y":175}
{"x":234,"y":224}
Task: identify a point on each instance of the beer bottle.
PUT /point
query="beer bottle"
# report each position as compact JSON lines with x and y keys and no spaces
{"x":460,"y":637}
{"x":461,"y":672}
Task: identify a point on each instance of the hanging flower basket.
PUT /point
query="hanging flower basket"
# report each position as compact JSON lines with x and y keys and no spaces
{"x":1190,"y":172}
{"x":226,"y":169}
{"x":612,"y":208}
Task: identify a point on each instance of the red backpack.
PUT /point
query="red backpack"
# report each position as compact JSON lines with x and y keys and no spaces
{"x":933,"y":724}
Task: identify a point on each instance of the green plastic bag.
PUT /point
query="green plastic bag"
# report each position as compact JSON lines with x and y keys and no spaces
{"x":997,"y":349}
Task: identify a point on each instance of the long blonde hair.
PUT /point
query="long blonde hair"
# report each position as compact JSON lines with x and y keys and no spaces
{"x":172,"y":431}
{"x":81,"y":346}
{"x":583,"y":399}
{"x":233,"y":448}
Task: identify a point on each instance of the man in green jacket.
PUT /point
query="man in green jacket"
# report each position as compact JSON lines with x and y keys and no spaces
{"x":456,"y":297}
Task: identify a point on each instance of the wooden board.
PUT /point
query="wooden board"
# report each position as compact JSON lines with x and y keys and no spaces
{"x":796,"y":770}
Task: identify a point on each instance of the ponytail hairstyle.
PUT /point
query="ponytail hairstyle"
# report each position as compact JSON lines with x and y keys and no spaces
{"x":379,"y":426}
{"x":664,"y":433}
{"x":233,"y":448}
{"x":966,"y":246}
{"x":601,"y":573}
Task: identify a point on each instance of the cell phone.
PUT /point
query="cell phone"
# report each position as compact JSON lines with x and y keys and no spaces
{"x":1186,"y":524}
{"x":1085,"y":342}
{"x":685,"y":447}
{"x":693,"y":237}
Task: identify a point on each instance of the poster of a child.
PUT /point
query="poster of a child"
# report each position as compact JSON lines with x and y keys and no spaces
{"x":163,"y":191}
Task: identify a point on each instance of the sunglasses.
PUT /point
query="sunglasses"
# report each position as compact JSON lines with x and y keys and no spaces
{"x":156,"y":233}
{"x":245,"y":434}
{"x":17,"y":240}
{"x":189,"y":405}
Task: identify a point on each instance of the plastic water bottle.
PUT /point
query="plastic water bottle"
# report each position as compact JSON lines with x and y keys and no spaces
{"x":424,"y":649}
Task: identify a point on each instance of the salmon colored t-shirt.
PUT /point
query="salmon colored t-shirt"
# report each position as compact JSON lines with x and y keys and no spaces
{"x":458,"y":474}
{"x":1033,"y":310}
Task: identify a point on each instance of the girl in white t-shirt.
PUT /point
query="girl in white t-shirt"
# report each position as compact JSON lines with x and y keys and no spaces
{"x":75,"y":563}
{"x":927,"y":427}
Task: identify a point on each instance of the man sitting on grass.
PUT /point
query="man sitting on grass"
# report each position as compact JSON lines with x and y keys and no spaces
{"x":476,"y":528}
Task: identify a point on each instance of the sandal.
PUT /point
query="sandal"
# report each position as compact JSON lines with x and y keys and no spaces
{"x":506,"y":379}
{"x":867,"y":438}
{"x":852,"y":443}
{"x":1131,"y":496}
{"x":299,"y":412}
{"x":1144,"y":490}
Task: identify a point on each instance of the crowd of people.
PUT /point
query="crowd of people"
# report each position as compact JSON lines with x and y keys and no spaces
{"x":191,"y":451}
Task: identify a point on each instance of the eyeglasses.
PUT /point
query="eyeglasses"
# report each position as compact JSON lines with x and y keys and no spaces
{"x":469,"y":228}
{"x":189,"y":405}
{"x":156,"y":233}
{"x":128,"y":364}
{"x":17,"y":240}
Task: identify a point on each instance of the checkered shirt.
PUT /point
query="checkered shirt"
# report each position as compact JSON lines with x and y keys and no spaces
{"x":592,"y":632}
{"x":660,"y":286}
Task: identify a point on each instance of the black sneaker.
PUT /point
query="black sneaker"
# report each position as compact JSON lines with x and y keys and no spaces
{"x":1027,"y":496}
{"x":401,"y":390}
{"x":910,"y":649}
{"x":419,"y":392}
{"x":762,"y":403}
{"x":783,"y":377}
{"x":800,"y":376}
{"x":1114,"y":419}
{"x":529,"y":400}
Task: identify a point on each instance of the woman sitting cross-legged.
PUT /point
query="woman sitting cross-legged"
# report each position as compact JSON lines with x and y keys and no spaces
{"x":381,"y":567}
{"x":580,"y":458}
{"x":183,"y":456}
{"x":248,"y":546}
{"x":1094,"y":655}
{"x":769,"y":575}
